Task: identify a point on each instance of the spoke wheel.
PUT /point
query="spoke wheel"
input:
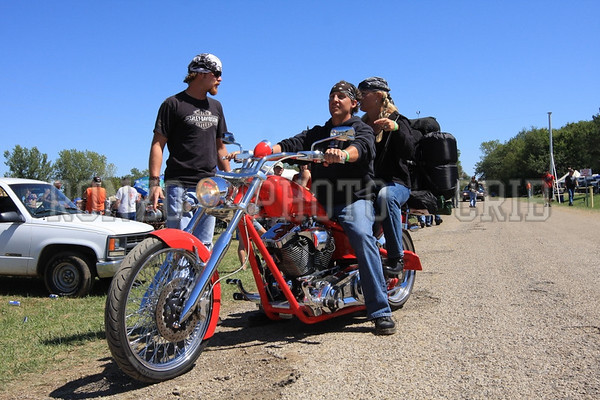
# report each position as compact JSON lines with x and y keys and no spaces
{"x":400,"y":288}
{"x":143,"y":308}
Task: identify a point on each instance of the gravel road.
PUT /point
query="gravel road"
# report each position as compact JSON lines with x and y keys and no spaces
{"x":506,"y":308}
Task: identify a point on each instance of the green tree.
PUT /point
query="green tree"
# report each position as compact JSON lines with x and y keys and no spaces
{"x":490,"y":165}
{"x":137,"y":174}
{"x":76,"y":169}
{"x":527,"y":155}
{"x":577,"y":145}
{"x":26,"y":163}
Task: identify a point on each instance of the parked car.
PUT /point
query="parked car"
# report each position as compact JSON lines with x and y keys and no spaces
{"x":44,"y":235}
{"x":584,"y":182}
{"x":480,"y":193}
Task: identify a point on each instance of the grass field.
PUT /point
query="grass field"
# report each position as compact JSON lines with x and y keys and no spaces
{"x":580,"y":200}
{"x":43,"y":332}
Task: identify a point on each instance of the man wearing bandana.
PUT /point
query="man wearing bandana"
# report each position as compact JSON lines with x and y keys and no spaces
{"x":191,"y":124}
{"x":343,"y":184}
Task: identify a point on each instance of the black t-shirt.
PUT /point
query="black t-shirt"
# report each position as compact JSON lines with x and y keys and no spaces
{"x":570,"y":182}
{"x":339,"y":184}
{"x":192,"y":127}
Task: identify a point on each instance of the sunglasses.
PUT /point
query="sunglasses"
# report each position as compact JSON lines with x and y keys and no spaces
{"x":217,"y":74}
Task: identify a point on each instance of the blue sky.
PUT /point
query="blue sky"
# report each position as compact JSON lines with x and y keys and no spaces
{"x":90,"y":75}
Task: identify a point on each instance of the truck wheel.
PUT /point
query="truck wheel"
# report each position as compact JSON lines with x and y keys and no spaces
{"x":68,"y":274}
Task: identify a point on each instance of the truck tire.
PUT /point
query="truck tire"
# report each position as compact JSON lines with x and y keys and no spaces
{"x":68,"y":274}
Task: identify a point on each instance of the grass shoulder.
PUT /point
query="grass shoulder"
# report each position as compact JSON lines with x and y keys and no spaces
{"x":45,"y":334}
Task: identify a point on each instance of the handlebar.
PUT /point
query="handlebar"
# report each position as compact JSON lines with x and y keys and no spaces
{"x":310,"y":156}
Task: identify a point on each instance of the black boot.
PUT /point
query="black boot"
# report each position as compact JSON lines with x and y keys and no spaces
{"x":385,"y":326}
{"x":394,"y":268}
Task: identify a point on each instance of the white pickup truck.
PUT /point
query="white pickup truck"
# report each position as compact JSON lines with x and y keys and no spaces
{"x":43,"y":234}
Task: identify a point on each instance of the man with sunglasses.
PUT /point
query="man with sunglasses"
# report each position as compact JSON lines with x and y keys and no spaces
{"x":191,"y":125}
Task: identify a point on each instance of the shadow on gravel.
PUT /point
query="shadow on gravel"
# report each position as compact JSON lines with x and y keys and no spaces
{"x":253,"y":328}
{"x":244,"y":329}
{"x":109,"y":382}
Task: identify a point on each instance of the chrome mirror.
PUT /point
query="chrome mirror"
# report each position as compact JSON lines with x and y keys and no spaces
{"x":341,"y":133}
{"x":229,"y":138}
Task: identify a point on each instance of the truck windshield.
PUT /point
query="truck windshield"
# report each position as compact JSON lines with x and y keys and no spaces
{"x":42,"y":200}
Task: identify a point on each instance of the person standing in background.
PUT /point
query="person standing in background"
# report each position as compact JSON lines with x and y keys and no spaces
{"x":473,"y":189}
{"x":547,"y":184}
{"x":570,"y":184}
{"x":95,"y":197}
{"x":127,"y":199}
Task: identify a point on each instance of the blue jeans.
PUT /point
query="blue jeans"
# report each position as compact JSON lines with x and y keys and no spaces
{"x":571,"y":195}
{"x":130,"y":215}
{"x":357,"y":220}
{"x":177,"y":218}
{"x":427,"y":220}
{"x":472,"y":199}
{"x":389,"y":208}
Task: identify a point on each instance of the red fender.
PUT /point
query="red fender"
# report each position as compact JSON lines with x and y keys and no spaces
{"x":179,"y":239}
{"x":411,"y":260}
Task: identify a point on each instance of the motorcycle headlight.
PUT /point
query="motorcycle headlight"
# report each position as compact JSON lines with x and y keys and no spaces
{"x":211,"y":192}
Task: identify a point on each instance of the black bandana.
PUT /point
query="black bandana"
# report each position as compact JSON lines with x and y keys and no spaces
{"x":374,"y":83}
{"x":345,"y":87}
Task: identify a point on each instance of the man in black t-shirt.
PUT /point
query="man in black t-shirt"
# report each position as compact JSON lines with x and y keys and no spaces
{"x":191,"y":125}
{"x":571,"y":183}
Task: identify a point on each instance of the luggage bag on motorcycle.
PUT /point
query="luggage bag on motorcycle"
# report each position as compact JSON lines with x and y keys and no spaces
{"x":437,"y":148}
{"x":440,"y":179}
{"x":436,"y":169}
{"x":425,"y":125}
{"x":423,"y":200}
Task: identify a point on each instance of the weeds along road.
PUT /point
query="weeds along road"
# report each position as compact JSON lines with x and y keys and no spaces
{"x":506,"y":308}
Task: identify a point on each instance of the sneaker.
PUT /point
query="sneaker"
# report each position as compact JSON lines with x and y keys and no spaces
{"x":394,"y":268}
{"x":385,"y":326}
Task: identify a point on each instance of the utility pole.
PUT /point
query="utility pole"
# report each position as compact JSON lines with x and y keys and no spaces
{"x":551,"y":149}
{"x":552,"y":167}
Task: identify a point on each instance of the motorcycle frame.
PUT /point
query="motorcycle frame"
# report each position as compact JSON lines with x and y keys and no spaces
{"x":248,"y":234}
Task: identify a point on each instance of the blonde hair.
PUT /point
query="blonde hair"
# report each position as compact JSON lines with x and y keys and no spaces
{"x":387,"y":108}
{"x":190,"y":77}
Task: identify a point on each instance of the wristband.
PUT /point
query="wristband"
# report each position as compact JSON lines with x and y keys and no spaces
{"x":395,"y":126}
{"x":347,"y":155}
{"x":154,"y":181}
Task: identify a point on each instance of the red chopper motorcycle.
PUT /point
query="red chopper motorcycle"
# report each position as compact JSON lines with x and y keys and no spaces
{"x":163,"y":304}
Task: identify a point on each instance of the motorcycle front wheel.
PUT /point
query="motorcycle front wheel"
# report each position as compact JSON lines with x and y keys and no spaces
{"x":399,"y":289}
{"x":143,"y":305}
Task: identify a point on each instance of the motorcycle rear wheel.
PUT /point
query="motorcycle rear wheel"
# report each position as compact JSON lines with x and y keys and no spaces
{"x":400,"y":289}
{"x":142,"y":305}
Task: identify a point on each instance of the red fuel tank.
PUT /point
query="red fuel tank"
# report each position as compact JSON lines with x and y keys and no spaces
{"x":280,"y":197}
